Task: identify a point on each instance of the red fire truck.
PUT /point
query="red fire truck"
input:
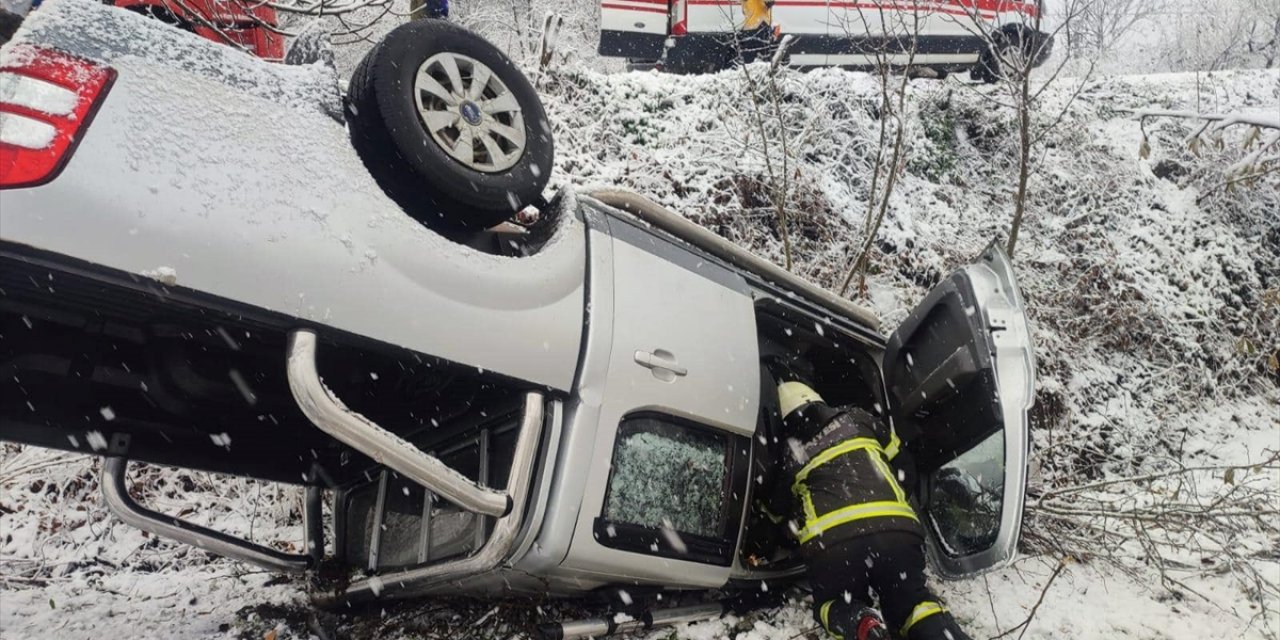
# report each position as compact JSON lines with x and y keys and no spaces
{"x":251,"y":26}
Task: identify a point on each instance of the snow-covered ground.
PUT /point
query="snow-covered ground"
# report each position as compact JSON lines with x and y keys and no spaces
{"x":1154,"y":293}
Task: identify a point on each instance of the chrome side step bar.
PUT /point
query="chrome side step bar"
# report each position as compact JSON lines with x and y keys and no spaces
{"x":507,"y":507}
{"x":116,"y":494}
{"x":502,"y":538}
{"x":602,"y":627}
{"x":329,"y":414}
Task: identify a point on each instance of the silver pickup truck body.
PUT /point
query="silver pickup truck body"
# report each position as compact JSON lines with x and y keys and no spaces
{"x":212,"y":280}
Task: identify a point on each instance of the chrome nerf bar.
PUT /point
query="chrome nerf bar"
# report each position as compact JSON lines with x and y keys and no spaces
{"x":501,"y":541}
{"x":603,"y":627}
{"x":386,"y":448}
{"x":116,"y":495}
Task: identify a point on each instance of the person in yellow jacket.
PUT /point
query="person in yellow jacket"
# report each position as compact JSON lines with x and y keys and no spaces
{"x":858,"y":534}
{"x":756,"y":13}
{"x":756,"y":38}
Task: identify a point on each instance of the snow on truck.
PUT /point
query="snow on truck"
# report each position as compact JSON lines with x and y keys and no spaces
{"x":688,"y":36}
{"x":331,"y":299}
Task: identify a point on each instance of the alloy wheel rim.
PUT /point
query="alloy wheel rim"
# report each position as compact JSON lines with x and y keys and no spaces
{"x":469,"y":112}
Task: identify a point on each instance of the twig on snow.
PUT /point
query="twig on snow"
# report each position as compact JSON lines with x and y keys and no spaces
{"x":1026,"y":624}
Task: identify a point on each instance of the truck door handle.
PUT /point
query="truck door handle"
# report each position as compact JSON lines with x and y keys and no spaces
{"x":664,"y":364}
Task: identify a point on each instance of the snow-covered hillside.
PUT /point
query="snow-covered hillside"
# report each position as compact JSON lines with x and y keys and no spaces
{"x":1149,"y":293}
{"x":1152,"y":288}
{"x":1155,"y":298}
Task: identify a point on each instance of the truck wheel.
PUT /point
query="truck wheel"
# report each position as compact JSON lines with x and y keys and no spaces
{"x":449,"y":127}
{"x":9,"y":23}
{"x":1004,"y":57}
{"x":987,"y":70}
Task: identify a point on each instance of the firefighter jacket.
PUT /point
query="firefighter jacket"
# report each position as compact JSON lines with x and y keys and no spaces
{"x":756,"y":13}
{"x":834,"y":464}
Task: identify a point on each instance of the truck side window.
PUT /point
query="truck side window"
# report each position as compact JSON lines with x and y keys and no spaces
{"x":671,"y":491}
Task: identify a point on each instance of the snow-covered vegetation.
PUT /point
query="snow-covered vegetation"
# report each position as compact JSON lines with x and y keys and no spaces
{"x":1152,"y":273}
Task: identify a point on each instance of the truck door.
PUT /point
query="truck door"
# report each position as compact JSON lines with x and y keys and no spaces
{"x":960,"y":376}
{"x":634,"y":29}
{"x":668,"y":478}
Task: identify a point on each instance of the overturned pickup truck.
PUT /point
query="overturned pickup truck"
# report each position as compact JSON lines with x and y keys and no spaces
{"x":210,"y":274}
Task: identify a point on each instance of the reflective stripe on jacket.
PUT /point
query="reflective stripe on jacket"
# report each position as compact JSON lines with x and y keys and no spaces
{"x":841,"y":483}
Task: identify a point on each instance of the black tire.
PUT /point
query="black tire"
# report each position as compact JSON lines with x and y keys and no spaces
{"x":989,"y":68}
{"x":9,"y":23}
{"x":411,"y":166}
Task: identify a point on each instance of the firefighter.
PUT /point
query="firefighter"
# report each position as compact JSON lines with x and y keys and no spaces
{"x":858,"y":535}
{"x":756,"y":14}
{"x":756,"y":38}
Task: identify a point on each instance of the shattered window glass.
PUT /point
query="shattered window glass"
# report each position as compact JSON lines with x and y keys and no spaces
{"x":667,"y":475}
{"x":966,"y":498}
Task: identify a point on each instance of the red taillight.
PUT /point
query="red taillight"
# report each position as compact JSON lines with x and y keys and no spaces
{"x":46,"y":100}
{"x":680,"y":18}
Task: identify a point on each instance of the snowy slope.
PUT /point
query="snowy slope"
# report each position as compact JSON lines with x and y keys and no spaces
{"x":1149,"y":301}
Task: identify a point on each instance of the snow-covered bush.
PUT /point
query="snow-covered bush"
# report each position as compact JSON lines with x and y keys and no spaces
{"x":1124,"y":270}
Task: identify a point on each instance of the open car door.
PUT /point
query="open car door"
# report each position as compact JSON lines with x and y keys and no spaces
{"x":960,"y":373}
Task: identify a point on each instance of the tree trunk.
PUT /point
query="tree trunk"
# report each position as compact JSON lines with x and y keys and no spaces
{"x":1024,"y":161}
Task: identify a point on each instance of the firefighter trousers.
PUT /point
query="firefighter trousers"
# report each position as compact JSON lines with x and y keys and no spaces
{"x":848,"y":575}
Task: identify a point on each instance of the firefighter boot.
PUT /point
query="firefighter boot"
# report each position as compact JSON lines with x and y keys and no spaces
{"x":871,"y":626}
{"x":940,"y":626}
